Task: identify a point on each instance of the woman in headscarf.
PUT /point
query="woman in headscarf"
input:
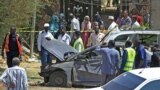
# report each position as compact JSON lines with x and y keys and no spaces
{"x":54,"y":24}
{"x":85,"y":28}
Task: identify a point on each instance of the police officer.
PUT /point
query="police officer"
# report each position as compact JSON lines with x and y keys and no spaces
{"x":128,"y":57}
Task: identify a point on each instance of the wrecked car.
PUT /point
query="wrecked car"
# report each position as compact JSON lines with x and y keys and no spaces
{"x":73,"y":68}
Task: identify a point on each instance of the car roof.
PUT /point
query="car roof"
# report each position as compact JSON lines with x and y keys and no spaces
{"x":140,"y":31}
{"x":112,"y":36}
{"x":147,"y":73}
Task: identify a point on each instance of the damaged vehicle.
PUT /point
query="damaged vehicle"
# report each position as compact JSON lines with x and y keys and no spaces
{"x":73,"y":68}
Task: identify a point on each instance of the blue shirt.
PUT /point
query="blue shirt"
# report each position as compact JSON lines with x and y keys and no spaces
{"x":126,"y":21}
{"x":141,"y":55}
{"x":111,"y":59}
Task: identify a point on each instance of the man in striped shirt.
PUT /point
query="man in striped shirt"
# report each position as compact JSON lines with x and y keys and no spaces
{"x":15,"y":78}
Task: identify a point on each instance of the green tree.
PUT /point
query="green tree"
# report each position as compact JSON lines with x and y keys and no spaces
{"x":15,"y":12}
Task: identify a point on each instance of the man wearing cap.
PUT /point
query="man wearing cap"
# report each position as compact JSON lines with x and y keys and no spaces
{"x":11,"y":46}
{"x":113,"y":27}
{"x":45,"y":55}
{"x":64,"y":37}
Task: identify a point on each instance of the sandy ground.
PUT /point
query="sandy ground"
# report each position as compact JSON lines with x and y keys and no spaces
{"x":32,"y":70}
{"x":47,"y":88}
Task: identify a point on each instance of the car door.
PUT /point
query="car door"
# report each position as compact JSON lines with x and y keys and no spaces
{"x":87,"y":68}
{"x":150,"y":85}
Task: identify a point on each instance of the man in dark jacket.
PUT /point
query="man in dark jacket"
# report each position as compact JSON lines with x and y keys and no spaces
{"x":11,"y":46}
{"x":155,"y":59}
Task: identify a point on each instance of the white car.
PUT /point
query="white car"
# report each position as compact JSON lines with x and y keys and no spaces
{"x":148,"y":37}
{"x":139,"y":79}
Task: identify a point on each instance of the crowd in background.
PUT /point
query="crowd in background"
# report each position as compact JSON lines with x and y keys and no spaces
{"x":92,"y":31}
{"x":88,"y":33}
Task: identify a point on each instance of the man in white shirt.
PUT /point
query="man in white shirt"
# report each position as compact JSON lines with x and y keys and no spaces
{"x":64,"y":37}
{"x":15,"y":78}
{"x":42,"y":37}
{"x":113,"y":27}
{"x":96,"y":36}
{"x":75,"y":25}
{"x":135,"y":24}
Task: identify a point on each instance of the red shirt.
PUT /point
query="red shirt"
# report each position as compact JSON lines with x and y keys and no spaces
{"x":140,"y":19}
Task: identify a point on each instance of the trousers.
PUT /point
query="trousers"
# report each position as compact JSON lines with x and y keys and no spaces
{"x":10,"y":56}
{"x":45,"y":57}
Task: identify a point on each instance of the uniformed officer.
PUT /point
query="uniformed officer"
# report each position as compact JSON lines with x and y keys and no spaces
{"x":128,"y":57}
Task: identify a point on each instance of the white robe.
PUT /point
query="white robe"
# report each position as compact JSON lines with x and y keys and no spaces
{"x":113,"y":27}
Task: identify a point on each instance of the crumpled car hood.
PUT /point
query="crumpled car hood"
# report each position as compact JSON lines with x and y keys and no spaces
{"x":58,"y":49}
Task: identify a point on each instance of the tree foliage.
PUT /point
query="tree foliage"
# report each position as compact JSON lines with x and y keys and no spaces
{"x":15,"y":12}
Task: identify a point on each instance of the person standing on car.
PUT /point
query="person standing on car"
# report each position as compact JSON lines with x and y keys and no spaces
{"x":78,"y":44}
{"x":15,"y":78}
{"x":113,"y":27}
{"x":140,"y":59}
{"x":64,"y":37}
{"x":128,"y":57}
{"x":45,"y":55}
{"x":110,"y":63}
{"x":135,"y":23}
{"x":126,"y":21}
{"x":155,"y":58}
{"x":12,"y":46}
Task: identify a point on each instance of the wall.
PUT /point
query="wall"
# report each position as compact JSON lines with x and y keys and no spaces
{"x":155,"y":14}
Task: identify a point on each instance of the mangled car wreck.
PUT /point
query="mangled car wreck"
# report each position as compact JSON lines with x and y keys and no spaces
{"x":73,"y":68}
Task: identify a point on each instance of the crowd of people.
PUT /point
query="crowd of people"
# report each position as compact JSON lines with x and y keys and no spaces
{"x":134,"y":57}
{"x":90,"y":34}
{"x":64,"y":29}
{"x":85,"y":35}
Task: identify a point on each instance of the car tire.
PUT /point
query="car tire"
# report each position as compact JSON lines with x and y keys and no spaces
{"x":58,"y":79}
{"x":46,"y":79}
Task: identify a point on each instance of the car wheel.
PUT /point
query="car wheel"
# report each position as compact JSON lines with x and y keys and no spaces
{"x":58,"y":78}
{"x":46,"y":79}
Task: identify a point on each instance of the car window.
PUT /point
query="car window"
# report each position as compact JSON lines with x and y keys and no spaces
{"x":148,"y":38}
{"x":154,"y":85}
{"x":126,"y":81}
{"x":123,"y":38}
{"x":120,"y":40}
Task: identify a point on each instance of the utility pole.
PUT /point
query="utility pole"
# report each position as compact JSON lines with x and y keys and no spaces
{"x":91,"y":9}
{"x":33,"y":29}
